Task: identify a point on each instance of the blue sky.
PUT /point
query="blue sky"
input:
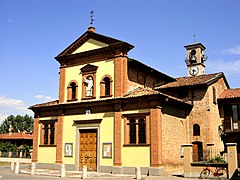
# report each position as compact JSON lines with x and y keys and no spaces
{"x":32,"y":33}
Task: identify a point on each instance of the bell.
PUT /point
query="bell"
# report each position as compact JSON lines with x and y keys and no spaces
{"x":193,"y":58}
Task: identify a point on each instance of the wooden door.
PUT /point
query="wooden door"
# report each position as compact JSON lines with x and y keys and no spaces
{"x":195,"y":152}
{"x":88,"y":149}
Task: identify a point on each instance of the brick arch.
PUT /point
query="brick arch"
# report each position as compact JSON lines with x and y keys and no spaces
{"x":72,"y":82}
{"x":72,"y":94}
{"x":106,"y":75}
{"x":103,"y":86}
{"x":196,"y":130}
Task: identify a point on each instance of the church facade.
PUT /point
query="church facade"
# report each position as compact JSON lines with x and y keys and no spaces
{"x":115,"y":113}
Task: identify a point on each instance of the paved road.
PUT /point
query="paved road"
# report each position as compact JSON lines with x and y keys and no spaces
{"x":6,"y":173}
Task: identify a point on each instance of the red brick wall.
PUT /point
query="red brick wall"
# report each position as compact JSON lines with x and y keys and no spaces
{"x":35,"y":140}
{"x":156,"y":137}
{"x":117,"y":160}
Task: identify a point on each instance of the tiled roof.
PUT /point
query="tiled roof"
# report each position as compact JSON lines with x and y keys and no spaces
{"x":140,"y":91}
{"x":16,"y":136}
{"x":230,"y":93}
{"x":136,"y":92}
{"x":192,"y":81}
{"x":50,"y":103}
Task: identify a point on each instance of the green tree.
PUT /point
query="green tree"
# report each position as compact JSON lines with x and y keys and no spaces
{"x":18,"y":123}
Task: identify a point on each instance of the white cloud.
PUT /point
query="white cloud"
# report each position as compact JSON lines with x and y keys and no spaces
{"x":228,"y":67}
{"x":45,"y":98}
{"x":11,"y":106}
{"x":234,"y":50}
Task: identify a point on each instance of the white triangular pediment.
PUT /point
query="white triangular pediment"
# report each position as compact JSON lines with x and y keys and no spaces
{"x":90,"y":44}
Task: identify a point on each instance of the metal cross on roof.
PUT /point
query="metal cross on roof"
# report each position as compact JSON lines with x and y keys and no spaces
{"x":91,"y":17}
{"x":194,"y":38}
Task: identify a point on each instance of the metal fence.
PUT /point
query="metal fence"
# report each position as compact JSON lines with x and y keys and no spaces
{"x":16,"y":154}
{"x":210,"y":155}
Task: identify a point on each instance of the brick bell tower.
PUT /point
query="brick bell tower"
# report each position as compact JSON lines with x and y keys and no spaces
{"x":195,"y":59}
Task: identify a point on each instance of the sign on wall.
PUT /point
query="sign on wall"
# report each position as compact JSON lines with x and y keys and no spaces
{"x":68,"y":150}
{"x":107,"y":150}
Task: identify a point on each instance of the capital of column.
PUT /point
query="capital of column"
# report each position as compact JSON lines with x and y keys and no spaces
{"x":231,"y":144}
{"x":186,"y":145}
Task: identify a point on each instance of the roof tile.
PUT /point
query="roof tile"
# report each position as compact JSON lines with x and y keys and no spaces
{"x":16,"y":136}
{"x":191,"y":81}
{"x":140,"y":91}
{"x":230,"y":94}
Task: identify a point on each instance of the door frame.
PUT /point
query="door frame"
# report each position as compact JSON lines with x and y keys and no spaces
{"x":199,"y":150}
{"x":86,"y":127}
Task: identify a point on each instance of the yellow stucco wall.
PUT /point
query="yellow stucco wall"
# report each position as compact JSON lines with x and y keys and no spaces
{"x":136,"y":156}
{"x":90,"y":45}
{"x":47,"y":154}
{"x":105,"y":135}
{"x":44,"y":152}
{"x":74,"y":73}
{"x":69,"y":136}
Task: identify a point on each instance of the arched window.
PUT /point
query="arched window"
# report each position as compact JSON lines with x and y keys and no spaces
{"x":196,"y":130}
{"x":73,"y":87}
{"x":106,"y":86}
{"x":72,"y":91}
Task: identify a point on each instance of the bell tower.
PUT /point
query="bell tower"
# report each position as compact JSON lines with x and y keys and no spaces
{"x":195,"y":59}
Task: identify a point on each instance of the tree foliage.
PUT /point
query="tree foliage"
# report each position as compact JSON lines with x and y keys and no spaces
{"x":8,"y":146}
{"x":18,"y":124}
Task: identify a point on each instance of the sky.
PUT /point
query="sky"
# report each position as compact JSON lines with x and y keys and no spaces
{"x":33,"y":33}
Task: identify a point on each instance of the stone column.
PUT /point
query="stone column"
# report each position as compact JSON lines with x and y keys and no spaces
{"x":12,"y":166}
{"x":84,"y":172}
{"x":138,"y":173}
{"x":232,"y":158}
{"x":33,"y":168}
{"x":17,"y":168}
{"x":187,"y":159}
{"x":63,"y":171}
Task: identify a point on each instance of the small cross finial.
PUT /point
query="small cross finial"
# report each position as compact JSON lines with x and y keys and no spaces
{"x":194,"y":38}
{"x":91,"y":17}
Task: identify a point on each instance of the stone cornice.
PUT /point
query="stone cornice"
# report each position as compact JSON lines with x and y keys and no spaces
{"x":107,"y":105}
{"x":94,"y":55}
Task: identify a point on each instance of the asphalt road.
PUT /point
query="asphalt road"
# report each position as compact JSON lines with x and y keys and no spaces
{"x":6,"y":173}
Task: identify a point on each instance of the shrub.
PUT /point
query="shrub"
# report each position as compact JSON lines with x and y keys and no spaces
{"x":217,"y":159}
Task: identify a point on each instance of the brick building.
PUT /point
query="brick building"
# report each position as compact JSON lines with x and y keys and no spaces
{"x":229,"y":107}
{"x":115,"y":113}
